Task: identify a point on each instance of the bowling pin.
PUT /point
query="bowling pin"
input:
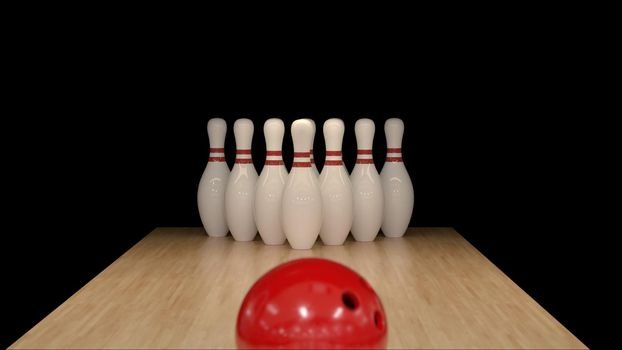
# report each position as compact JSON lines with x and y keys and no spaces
{"x":211,"y":192}
{"x":335,"y":187}
{"x":399,"y":197}
{"x":240,"y":193}
{"x":368,"y":198}
{"x":270,"y":185}
{"x":302,"y":200}
{"x":317,"y":173}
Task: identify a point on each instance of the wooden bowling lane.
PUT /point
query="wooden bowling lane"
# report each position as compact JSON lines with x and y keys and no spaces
{"x":178,"y":288}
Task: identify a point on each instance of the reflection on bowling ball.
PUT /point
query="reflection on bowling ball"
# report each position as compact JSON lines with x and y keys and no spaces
{"x":311,"y":303}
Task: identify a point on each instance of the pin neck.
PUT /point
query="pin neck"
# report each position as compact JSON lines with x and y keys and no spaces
{"x":274,"y":157}
{"x":311,"y":156}
{"x":302,"y":160}
{"x":216,"y":154}
{"x":394,"y":155}
{"x":333,"y":158}
{"x":364,"y":156}
{"x":243,"y":156}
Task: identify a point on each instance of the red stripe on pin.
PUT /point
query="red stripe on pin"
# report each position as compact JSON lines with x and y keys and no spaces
{"x":274,"y":162}
{"x":243,"y":161}
{"x":393,"y":159}
{"x":364,"y":161}
{"x":394,"y":150}
{"x":243,"y":151}
{"x":301,"y":154}
{"x":364,"y":151}
{"x":301,"y":165}
{"x":274,"y":153}
{"x":216,"y":159}
{"x":333,"y":162}
{"x":217,"y":150}
{"x":333,"y":153}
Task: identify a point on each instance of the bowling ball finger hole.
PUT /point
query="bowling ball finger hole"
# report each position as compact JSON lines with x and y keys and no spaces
{"x":350,"y":300}
{"x":378,"y":320}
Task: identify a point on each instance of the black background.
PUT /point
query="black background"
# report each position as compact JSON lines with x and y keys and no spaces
{"x":112,"y":145}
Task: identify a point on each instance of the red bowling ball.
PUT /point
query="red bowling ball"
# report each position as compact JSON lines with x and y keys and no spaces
{"x":311,"y":303}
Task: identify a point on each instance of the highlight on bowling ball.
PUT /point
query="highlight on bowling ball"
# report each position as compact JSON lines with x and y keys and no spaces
{"x":311,"y":303}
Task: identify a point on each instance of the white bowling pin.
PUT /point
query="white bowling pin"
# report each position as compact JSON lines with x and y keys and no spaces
{"x":302,"y":200}
{"x":335,"y":187}
{"x":240,"y":194}
{"x":399,"y":197}
{"x":211,"y":192}
{"x":313,"y":166}
{"x":368,"y":199}
{"x":270,"y":185}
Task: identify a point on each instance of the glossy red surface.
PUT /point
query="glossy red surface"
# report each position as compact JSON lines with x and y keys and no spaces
{"x":311,"y":303}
